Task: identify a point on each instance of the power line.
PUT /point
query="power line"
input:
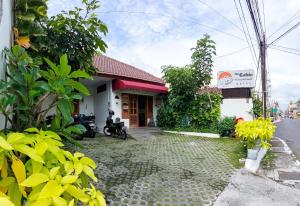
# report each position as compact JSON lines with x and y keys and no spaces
{"x":259,"y":16}
{"x":231,"y":53}
{"x":189,"y":20}
{"x":295,"y":16}
{"x":220,"y":14}
{"x":257,"y":26}
{"x":286,"y":51}
{"x":263,"y":5}
{"x":285,"y":48}
{"x":249,"y":42}
{"x":285,"y":33}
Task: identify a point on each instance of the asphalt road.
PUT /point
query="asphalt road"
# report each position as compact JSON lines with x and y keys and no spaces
{"x":289,"y":130}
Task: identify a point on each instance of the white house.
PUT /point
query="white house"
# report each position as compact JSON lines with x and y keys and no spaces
{"x":133,"y":94}
{"x":6,"y":21}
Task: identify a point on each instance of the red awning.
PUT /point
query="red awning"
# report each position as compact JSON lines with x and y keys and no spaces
{"x":119,"y":84}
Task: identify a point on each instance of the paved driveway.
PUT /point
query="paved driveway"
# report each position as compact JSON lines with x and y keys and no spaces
{"x":166,"y":170}
{"x":289,"y":130}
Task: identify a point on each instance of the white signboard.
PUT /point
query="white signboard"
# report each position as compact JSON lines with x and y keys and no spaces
{"x":236,"y":79}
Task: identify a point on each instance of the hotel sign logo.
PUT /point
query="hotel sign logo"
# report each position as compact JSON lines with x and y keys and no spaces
{"x":236,"y":79}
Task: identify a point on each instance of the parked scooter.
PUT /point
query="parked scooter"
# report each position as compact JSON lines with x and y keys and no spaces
{"x":87,"y":121}
{"x":116,"y":128}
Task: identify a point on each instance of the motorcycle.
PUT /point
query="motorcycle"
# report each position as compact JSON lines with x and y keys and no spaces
{"x":116,"y":128}
{"x":87,"y":121}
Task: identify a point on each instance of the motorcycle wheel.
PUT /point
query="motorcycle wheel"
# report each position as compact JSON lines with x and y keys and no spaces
{"x":106,"y":131}
{"x":123,"y":134}
{"x":93,"y":134}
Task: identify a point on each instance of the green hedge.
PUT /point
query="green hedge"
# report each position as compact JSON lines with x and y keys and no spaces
{"x":204,"y":112}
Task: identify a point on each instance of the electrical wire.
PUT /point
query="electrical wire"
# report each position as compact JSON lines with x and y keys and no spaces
{"x":189,"y":20}
{"x":263,"y":6}
{"x":285,"y":51}
{"x":231,"y":53}
{"x":248,"y":37}
{"x":291,"y":19}
{"x":285,"y":48}
{"x":285,"y":33}
{"x":220,"y":14}
{"x":257,"y":27}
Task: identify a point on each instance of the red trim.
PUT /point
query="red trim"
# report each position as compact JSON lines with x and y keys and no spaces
{"x":119,"y":84}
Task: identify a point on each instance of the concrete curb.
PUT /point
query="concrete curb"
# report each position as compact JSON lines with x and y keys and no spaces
{"x":197,"y":134}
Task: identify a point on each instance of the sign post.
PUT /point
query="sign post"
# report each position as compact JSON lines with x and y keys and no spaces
{"x":236,"y":79}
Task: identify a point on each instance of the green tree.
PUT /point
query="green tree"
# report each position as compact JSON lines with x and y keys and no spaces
{"x":30,"y":16}
{"x":182,"y":86}
{"x":257,"y":106}
{"x":183,"y":99}
{"x":78,"y":35}
{"x":202,"y":60}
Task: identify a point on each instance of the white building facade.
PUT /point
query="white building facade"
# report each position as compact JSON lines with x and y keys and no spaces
{"x":134,"y":95}
{"x":6,"y":24}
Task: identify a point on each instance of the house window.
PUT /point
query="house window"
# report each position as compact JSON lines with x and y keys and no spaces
{"x":101,"y":88}
{"x":133,"y":105}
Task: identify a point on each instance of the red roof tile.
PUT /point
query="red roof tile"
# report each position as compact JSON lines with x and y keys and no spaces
{"x":109,"y":66}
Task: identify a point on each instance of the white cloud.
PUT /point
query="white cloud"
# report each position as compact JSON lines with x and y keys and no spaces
{"x":167,"y":29}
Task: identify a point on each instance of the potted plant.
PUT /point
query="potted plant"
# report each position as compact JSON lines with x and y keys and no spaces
{"x":256,"y":134}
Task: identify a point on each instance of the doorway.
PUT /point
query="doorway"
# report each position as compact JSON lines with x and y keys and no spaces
{"x":138,"y":109}
{"x":142,"y":102}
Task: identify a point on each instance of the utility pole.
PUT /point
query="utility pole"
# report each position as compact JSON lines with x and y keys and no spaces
{"x":263,"y":49}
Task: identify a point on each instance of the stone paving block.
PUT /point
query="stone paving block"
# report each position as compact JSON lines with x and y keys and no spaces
{"x":166,"y":170}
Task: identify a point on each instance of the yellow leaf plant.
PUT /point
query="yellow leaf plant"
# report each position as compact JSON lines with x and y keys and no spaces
{"x":36,"y":171}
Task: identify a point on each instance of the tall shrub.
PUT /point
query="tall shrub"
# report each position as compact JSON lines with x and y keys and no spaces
{"x":205,"y":110}
{"x":184,"y":104}
{"x":29,"y":93}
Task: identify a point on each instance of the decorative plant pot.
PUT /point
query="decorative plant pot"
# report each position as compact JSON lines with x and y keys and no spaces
{"x":252,"y":154}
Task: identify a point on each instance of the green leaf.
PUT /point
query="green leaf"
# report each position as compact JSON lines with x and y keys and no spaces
{"x":51,"y":190}
{"x":52,"y":66}
{"x":28,"y":17}
{"x":78,"y":86}
{"x":14,"y":194}
{"x":88,"y":161}
{"x":57,"y":152}
{"x":4,"y":144}
{"x":77,"y":193}
{"x":35,"y":179}
{"x":5,"y":201}
{"x":64,"y":108}
{"x":65,"y":69}
{"x":7,"y":181}
{"x":29,"y":151}
{"x":32,"y":130}
{"x":69,"y":179}
{"x":80,"y":74}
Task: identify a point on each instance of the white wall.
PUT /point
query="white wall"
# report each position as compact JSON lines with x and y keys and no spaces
{"x":237,"y":107}
{"x":101,"y":106}
{"x":5,"y":38}
{"x":86,"y":105}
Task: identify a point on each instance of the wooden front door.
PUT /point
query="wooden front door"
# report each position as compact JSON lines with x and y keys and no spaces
{"x":133,"y":110}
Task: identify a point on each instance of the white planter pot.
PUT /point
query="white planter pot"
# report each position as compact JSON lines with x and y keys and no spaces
{"x":252,"y":154}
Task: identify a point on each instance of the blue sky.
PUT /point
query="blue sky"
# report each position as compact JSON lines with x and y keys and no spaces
{"x":152,"y":33}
